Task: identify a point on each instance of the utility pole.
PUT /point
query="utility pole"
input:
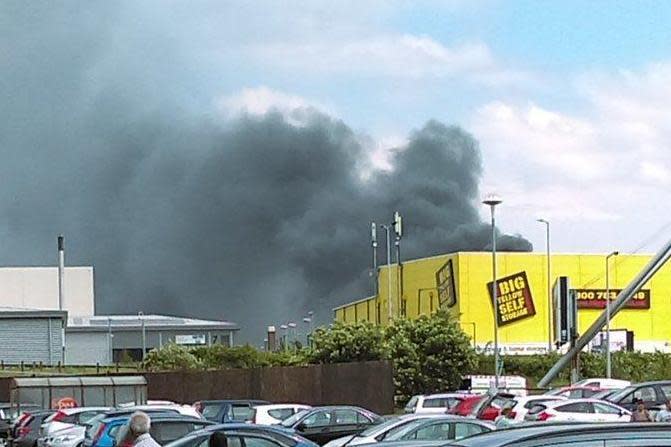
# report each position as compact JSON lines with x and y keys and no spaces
{"x":390,"y":313}
{"x":549,"y":263}
{"x":608,"y":356}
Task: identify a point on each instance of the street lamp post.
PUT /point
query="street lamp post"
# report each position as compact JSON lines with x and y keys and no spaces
{"x":293,"y":326}
{"x":492,"y":200}
{"x":549,"y":264}
{"x":309,"y":321}
{"x":608,"y":364}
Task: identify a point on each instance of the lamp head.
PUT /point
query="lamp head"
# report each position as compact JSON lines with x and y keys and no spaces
{"x":492,"y":200}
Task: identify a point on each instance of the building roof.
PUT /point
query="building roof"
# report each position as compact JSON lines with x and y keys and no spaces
{"x":7,"y":312}
{"x":102,"y":323}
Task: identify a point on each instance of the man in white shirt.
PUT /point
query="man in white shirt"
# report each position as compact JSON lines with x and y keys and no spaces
{"x":664,"y":415}
{"x":138,"y":426}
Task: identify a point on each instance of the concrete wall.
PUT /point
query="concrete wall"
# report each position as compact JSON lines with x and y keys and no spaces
{"x":37,"y":288}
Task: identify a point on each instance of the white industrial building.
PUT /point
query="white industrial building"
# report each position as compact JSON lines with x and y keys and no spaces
{"x":117,"y":338}
{"x":32,"y":324}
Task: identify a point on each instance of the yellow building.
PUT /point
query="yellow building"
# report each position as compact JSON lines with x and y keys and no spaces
{"x":461,"y":282}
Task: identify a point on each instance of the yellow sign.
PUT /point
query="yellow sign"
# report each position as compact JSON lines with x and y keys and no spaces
{"x":513,"y":298}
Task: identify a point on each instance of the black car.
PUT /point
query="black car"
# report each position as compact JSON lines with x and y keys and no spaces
{"x":165,"y":428}
{"x":223,"y":411}
{"x":574,"y":435}
{"x":27,"y":430}
{"x":652,"y":394}
{"x":323,"y":424}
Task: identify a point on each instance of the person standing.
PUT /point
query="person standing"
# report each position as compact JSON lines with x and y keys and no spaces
{"x":640,"y":414}
{"x":138,"y":427}
{"x":664,"y":415}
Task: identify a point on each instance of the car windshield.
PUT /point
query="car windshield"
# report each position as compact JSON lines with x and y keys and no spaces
{"x":412,"y":403}
{"x":288,"y":422}
{"x":399,"y":432}
{"x":619,"y":395}
{"x":379,"y":428}
{"x":602,"y":394}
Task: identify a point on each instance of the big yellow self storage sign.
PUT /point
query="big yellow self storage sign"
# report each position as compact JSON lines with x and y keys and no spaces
{"x":514,"y":300}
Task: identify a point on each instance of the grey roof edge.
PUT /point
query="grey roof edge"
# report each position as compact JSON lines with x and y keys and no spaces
{"x":33,"y":313}
{"x":155,"y":328}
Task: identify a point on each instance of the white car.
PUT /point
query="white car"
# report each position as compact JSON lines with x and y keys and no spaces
{"x":604,"y":384}
{"x":67,"y":419}
{"x":520,"y":406}
{"x":434,"y":403}
{"x":275,"y":413}
{"x":579,"y":410}
{"x":378,"y":433}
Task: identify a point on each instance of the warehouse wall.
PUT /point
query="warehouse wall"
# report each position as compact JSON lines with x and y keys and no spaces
{"x":417,"y":294}
{"x":29,"y":340}
{"x":87,"y":348}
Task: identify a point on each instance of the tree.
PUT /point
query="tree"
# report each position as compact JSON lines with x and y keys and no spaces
{"x":430,"y":354}
{"x":347,"y":342}
{"x":171,"y":357}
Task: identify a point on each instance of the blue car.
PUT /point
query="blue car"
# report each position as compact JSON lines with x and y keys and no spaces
{"x":165,"y":427}
{"x":245,"y":435}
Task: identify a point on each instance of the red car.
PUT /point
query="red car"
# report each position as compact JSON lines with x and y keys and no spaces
{"x":575,"y":392}
{"x":465,"y":407}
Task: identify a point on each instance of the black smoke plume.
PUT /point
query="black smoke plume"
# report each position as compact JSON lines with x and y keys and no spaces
{"x":255,"y":219}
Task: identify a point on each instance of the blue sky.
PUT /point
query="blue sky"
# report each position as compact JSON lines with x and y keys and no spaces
{"x":571,"y":100}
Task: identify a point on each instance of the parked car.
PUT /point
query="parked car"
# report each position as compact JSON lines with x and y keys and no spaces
{"x":574,"y":435}
{"x":275,"y":413}
{"x":67,"y":425}
{"x":101,"y":430}
{"x":27,"y":429}
{"x":580,"y":410}
{"x":443,"y":428}
{"x":434,"y":403}
{"x":520,"y":406}
{"x":489,"y":408}
{"x":652,"y":394}
{"x":379,"y":432}
{"x":164,"y":407}
{"x":604,"y":394}
{"x":245,"y":434}
{"x":222,"y":411}
{"x":324,"y":424}
{"x":164,"y":429}
{"x":466,"y":406}
{"x":574,"y":392}
{"x":603,"y":383}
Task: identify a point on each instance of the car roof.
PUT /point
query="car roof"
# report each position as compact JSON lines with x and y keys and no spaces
{"x":439,"y":395}
{"x":271,"y":406}
{"x":233,"y":401}
{"x":545,"y":430}
{"x":70,"y":411}
{"x":572,"y":401}
{"x":158,"y":417}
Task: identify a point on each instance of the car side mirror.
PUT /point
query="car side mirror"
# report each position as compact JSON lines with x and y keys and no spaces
{"x":301,"y":427}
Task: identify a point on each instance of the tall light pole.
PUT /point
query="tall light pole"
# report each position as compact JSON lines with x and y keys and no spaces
{"x":492,"y":200}
{"x":549,"y":264}
{"x":293,"y":326}
{"x":308,"y":320}
{"x":608,"y":365}
{"x":387,"y":229}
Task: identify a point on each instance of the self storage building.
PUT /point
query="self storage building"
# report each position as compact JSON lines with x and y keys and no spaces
{"x":461,"y":283}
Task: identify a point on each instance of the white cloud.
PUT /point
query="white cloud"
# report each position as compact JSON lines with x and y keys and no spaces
{"x":404,"y":55}
{"x":610,"y":163}
{"x":260,"y":100}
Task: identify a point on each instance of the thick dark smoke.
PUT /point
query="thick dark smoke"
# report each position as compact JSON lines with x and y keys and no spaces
{"x":105,"y":137}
